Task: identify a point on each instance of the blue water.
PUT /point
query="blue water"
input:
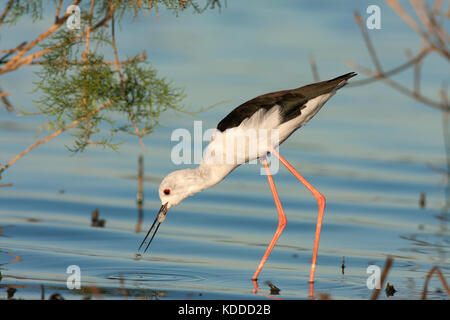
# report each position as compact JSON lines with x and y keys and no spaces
{"x":370,"y":151}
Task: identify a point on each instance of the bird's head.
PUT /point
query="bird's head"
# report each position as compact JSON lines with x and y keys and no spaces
{"x":174,"y":188}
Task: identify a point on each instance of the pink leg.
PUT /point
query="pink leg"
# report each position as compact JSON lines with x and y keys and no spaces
{"x":320,"y":200}
{"x":281,"y":221}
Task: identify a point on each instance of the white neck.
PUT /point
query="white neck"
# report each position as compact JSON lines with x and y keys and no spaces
{"x":207,"y":175}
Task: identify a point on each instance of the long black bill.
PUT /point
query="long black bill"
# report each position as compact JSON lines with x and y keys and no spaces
{"x":163,"y":211}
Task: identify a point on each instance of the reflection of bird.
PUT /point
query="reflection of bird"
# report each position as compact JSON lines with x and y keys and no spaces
{"x":264,"y":123}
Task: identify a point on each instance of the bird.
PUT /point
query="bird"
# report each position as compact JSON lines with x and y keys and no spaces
{"x":264,"y":123}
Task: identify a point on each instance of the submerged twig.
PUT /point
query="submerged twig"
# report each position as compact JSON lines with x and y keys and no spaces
{"x":435,"y":269}
{"x":140,"y":193}
{"x":6,"y":184}
{"x":387,"y":266}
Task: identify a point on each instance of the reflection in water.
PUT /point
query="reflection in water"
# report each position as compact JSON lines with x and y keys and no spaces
{"x":435,"y":269}
{"x":140,"y":218}
{"x":140,"y":193}
{"x":437,"y":243}
{"x":256,"y":289}
{"x":217,"y":235}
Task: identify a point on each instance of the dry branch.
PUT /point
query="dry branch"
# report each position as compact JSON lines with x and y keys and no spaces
{"x":5,"y":12}
{"x":85,"y":61}
{"x":11,"y":66}
{"x":387,"y":266}
{"x":53,"y":135}
{"x":117,"y":63}
{"x":432,"y":29}
{"x":411,"y":63}
{"x":58,"y":10}
{"x":314,"y":71}
{"x":6,"y":185}
{"x":11,"y":51}
{"x":134,"y":58}
{"x":5,"y":101}
{"x":14,"y":63}
{"x":368,"y":42}
{"x":399,"y":87}
{"x":435,"y":269}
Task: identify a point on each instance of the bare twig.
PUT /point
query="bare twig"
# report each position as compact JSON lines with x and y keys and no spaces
{"x":5,"y":12}
{"x":138,"y":132}
{"x":6,"y":185}
{"x":5,"y":101}
{"x":123,"y":289}
{"x":14,"y":62}
{"x":53,"y":135}
{"x":446,"y":133}
{"x":421,"y":10}
{"x":314,"y":71}
{"x":412,"y":62}
{"x":11,"y":51}
{"x":407,"y":18}
{"x":134,"y":58}
{"x":85,"y":60}
{"x":122,"y":80}
{"x":437,"y":5}
{"x":114,"y":45}
{"x":369,"y":45}
{"x":88,"y":30}
{"x":28,"y":59}
{"x":192,"y":113}
{"x":417,"y":69}
{"x":437,"y":29}
{"x":435,"y":269}
{"x":58,"y":10}
{"x":387,"y":266}
{"x":427,"y":47}
{"x":434,"y":28}
{"x":42,"y":292}
{"x":95,"y":291}
{"x":140,"y":193}
{"x":26,"y":113}
{"x":401,"y":88}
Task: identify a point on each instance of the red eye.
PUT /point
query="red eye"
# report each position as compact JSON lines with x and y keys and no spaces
{"x":166,"y":191}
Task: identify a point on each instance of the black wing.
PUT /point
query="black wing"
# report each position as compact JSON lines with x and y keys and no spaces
{"x":287,"y":100}
{"x":290,"y":102}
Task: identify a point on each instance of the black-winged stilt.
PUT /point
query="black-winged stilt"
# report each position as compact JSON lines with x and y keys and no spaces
{"x":281,"y":112}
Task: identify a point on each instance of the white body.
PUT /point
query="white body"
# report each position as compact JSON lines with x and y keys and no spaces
{"x":253,"y":138}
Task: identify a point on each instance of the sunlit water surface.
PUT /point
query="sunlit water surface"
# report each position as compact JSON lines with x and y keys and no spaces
{"x":211,"y":244}
{"x":369,"y":151}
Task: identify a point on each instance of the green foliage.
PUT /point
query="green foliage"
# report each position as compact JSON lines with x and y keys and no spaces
{"x":72,"y":88}
{"x":73,"y":83}
{"x":21,"y":8}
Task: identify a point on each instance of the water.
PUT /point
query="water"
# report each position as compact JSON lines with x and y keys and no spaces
{"x":370,"y":158}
